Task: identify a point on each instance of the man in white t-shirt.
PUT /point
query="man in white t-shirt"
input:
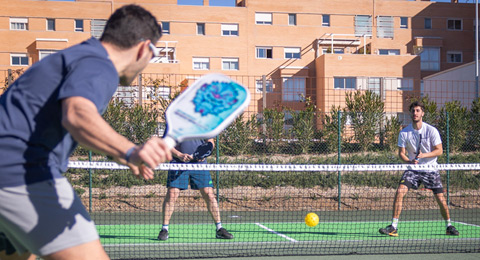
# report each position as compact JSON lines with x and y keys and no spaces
{"x":419,"y":143}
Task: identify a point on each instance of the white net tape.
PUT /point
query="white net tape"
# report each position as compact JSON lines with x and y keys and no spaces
{"x":284,"y":167}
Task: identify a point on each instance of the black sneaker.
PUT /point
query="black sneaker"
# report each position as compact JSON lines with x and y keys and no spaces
{"x":389,"y":230}
{"x":223,"y":234}
{"x":452,"y":231}
{"x":163,"y":235}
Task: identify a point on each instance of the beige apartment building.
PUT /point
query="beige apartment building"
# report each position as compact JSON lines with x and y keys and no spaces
{"x":283,"y":50}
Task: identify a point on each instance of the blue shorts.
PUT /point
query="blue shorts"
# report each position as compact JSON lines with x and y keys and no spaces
{"x":197,"y":179}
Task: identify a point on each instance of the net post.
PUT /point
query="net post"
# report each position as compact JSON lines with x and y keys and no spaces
{"x":90,"y":171}
{"x":339,"y":138}
{"x":448,"y":157}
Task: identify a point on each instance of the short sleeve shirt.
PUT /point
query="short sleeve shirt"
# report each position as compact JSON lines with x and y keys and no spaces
{"x":189,"y":147}
{"x":409,"y":138}
{"x":34,"y":146}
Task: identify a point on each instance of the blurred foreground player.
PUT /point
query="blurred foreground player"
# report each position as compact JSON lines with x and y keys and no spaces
{"x":54,"y":105}
{"x":419,"y":143}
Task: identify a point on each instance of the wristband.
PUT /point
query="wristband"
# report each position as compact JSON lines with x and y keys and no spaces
{"x":129,"y":153}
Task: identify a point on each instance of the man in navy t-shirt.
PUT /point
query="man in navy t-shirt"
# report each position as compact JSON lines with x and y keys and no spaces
{"x":178,"y":180}
{"x":54,"y":105}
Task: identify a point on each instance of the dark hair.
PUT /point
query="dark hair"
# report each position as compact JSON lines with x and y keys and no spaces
{"x":417,"y":104}
{"x":129,"y":25}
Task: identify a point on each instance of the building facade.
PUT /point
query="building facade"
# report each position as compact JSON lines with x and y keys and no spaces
{"x":283,"y":50}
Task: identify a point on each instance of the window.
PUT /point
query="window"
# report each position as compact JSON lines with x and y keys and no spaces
{"x":428,"y":23}
{"x":200,"y":28}
{"x":389,"y":52}
{"x":264,"y":52}
{"x":454,"y":24}
{"x":363,"y":25}
{"x":292,"y":19}
{"x":404,"y":22}
{"x":430,"y":59}
{"x":268,"y":84}
{"x":292,"y":53}
{"x":263,"y":18}
{"x":230,"y":64}
{"x":454,"y":57}
{"x":374,"y":85}
{"x":293,"y":89}
{"x":97,"y":27}
{"x":385,"y":27}
{"x":18,"y":59}
{"x":326,"y":20}
{"x":404,"y":84}
{"x":44,"y":53}
{"x":165,"y":27}
{"x":78,"y":25}
{"x":201,"y":63}
{"x":344,"y":82}
{"x":19,"y":24}
{"x":229,"y":29}
{"x":50,"y":24}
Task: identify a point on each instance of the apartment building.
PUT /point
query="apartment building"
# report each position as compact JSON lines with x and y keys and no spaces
{"x":284,"y":50}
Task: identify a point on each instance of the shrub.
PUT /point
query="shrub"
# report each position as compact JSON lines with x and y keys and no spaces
{"x":365,"y":110}
{"x":458,"y":125}
{"x":304,"y":128}
{"x":238,"y":138}
{"x":272,"y":135}
{"x":331,"y":125}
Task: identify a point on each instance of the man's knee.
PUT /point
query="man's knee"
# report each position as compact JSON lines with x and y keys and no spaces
{"x":402,"y":190}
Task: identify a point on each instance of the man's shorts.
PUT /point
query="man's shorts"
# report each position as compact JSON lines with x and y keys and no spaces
{"x":431,"y":180}
{"x":196,"y":179}
{"x":43,"y":218}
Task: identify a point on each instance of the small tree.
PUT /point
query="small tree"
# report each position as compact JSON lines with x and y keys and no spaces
{"x":330,"y":128}
{"x":238,"y":138}
{"x":473,"y":138}
{"x":273,"y":120}
{"x":11,"y":78}
{"x":393,"y":126}
{"x":366,"y":112}
{"x":304,"y":125}
{"x":458,"y":124}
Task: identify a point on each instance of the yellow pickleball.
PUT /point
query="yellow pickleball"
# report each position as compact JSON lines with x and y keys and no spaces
{"x":311,"y":219}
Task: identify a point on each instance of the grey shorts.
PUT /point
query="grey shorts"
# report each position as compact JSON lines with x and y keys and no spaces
{"x":44,"y":218}
{"x":431,"y":180}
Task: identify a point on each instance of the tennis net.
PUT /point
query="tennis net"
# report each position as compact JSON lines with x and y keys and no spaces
{"x":264,"y":206}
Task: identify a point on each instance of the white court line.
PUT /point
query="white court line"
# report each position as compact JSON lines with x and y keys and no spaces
{"x":276,"y":233}
{"x":473,"y":225}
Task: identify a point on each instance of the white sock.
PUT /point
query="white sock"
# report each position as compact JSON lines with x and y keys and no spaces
{"x":219,"y":225}
{"x":165,"y":227}
{"x":395,"y":222}
{"x":447,"y":223}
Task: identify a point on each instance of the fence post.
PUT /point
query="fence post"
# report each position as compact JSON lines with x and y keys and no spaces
{"x":217,"y":148}
{"x":90,"y":183}
{"x":448,"y":158}
{"x":264,"y":101}
{"x":9,"y":77}
{"x":339,"y":136}
{"x":140,"y":90}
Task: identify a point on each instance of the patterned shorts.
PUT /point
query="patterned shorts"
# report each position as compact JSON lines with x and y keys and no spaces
{"x":431,"y":180}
